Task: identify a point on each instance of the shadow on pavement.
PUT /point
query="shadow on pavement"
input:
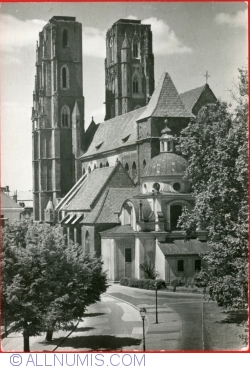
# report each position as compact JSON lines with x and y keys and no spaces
{"x":234,"y":317}
{"x":97,"y":342}
{"x":92,"y":315}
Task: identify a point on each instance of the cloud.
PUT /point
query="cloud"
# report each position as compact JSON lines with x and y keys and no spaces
{"x":238,"y":19}
{"x":165,"y":41}
{"x":16,"y":33}
{"x":93,"y":41}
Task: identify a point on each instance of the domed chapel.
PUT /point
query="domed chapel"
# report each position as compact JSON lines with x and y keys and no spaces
{"x":117,"y":187}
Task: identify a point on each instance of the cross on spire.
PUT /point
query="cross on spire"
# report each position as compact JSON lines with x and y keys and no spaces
{"x":206,"y":75}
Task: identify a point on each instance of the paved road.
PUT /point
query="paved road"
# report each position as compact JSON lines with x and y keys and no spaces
{"x":180,"y":318}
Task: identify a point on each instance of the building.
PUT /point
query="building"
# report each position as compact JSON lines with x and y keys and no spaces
{"x":58,"y":111}
{"x":10,"y":210}
{"x":129,"y":67}
{"x":117,"y":188}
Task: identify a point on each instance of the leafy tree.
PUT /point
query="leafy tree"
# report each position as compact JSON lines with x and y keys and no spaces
{"x":51,"y":284}
{"x":149,"y":270}
{"x":215,"y":144}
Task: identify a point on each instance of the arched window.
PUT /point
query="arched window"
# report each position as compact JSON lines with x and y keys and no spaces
{"x":65,"y":38}
{"x":134,"y":171}
{"x":135,"y":85}
{"x":127,"y":167}
{"x":111,"y":45}
{"x":144,"y":163}
{"x":64,"y":77}
{"x":94,"y":166}
{"x":135,"y":48}
{"x":100,"y":165}
{"x":83,"y":171}
{"x":89,"y":170}
{"x":87,"y":242}
{"x":107,"y":164}
{"x":65,"y":117}
{"x":175,"y":213}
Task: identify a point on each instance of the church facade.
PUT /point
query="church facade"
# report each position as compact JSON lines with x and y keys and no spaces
{"x":117,"y":188}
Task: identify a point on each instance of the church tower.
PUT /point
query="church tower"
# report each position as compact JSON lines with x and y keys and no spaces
{"x":129,"y":67}
{"x":58,"y":112}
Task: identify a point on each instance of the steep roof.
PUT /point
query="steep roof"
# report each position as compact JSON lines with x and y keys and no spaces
{"x":109,"y":205}
{"x":182,"y":247}
{"x":165,"y":101}
{"x":120,"y":229}
{"x":191,"y":97}
{"x":8,"y":203}
{"x":114,"y":133}
{"x":90,"y":189}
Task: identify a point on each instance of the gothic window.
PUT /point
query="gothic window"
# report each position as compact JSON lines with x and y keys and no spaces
{"x":65,"y":38}
{"x":107,"y":164}
{"x":134,"y":171}
{"x":135,"y":48}
{"x":100,"y":165}
{"x":127,"y":167}
{"x":144,"y":163}
{"x":83,"y":171}
{"x":87,"y":242}
{"x":65,"y":117}
{"x":89,"y":170}
{"x":64,"y":77}
{"x":111,"y":44}
{"x":135,"y":85}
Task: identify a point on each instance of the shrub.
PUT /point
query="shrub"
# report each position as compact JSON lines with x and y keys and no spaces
{"x":149,"y":270}
{"x":176,"y":282}
{"x":124,"y":281}
{"x":133,"y":282}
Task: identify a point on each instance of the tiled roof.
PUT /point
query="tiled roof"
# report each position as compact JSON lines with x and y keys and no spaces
{"x":109,"y":205}
{"x":121,"y":229}
{"x":7,"y":202}
{"x":164,"y":164}
{"x":182,"y":247}
{"x":165,"y":101}
{"x":114,"y":133}
{"x":90,"y":189}
{"x":191,"y":97}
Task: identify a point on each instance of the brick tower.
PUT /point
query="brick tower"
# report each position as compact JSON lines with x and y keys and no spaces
{"x":129,"y":67}
{"x":58,"y":111}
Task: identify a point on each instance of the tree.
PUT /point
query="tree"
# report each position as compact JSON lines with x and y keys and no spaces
{"x":53,"y":283}
{"x":215,"y":144}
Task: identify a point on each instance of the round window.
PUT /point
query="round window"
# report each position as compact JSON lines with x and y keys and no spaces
{"x":156,"y":186}
{"x":177,"y":186}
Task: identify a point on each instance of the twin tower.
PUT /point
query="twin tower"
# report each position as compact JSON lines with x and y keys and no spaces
{"x":58,"y":132}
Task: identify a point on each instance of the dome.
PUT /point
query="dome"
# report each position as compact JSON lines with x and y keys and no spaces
{"x":167,"y":163}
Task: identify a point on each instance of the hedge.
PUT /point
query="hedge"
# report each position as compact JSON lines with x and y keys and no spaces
{"x":146,"y":284}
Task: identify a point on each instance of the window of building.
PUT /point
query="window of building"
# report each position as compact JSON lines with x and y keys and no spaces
{"x":175,"y":213}
{"x":87,"y":242}
{"x":64,"y":77}
{"x":180,"y":265}
{"x":134,"y":171}
{"x":127,"y":167}
{"x":94,"y":166}
{"x":169,"y":146}
{"x":135,"y":85}
{"x":100,"y":165}
{"x":83,"y":171}
{"x":197,"y":265}
{"x":65,"y":117}
{"x":65,"y":38}
{"x":177,"y":186}
{"x":89,"y":170}
{"x":111,"y":44}
{"x":135,"y":48}
{"x":128,"y":255}
{"x":107,"y":164}
{"x":144,"y":163}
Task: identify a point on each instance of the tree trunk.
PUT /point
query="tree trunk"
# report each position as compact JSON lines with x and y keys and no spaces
{"x":49,"y":335}
{"x":26,"y":339}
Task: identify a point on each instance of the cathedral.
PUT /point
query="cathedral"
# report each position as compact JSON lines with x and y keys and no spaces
{"x":117,"y":187}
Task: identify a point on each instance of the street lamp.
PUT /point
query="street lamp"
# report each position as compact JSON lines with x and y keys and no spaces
{"x":156,"y":310}
{"x":143,"y":313}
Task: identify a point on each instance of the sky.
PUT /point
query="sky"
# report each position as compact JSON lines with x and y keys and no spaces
{"x":188,"y":40}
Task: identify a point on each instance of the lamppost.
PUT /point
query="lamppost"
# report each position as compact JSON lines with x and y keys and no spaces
{"x":143,"y":313}
{"x":156,"y":310}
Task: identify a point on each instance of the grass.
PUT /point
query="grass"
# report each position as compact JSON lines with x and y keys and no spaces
{"x":222,"y":330}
